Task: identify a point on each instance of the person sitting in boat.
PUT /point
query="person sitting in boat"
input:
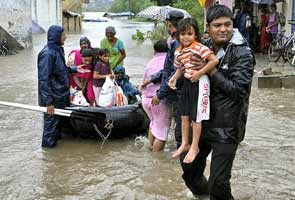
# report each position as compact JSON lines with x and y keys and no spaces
{"x":101,"y":71}
{"x":75,"y":60}
{"x":115,"y":46}
{"x":84,"y":74}
{"x":123,"y":81}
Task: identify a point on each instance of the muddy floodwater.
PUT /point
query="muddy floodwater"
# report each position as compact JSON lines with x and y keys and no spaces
{"x":264,"y":167}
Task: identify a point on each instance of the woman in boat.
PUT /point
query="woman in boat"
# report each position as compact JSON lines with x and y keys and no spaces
{"x":75,"y":61}
{"x":115,"y":47}
{"x":159,"y":115}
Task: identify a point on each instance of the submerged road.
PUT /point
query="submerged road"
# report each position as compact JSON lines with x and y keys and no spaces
{"x":264,"y":167}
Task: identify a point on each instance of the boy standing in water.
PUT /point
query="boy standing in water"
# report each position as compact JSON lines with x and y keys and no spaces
{"x":195,"y":91}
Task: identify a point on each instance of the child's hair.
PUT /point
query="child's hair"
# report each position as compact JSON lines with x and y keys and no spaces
{"x":102,"y":52}
{"x":95,"y":52}
{"x":161,"y":46}
{"x":87,"y":53}
{"x":218,"y":11}
{"x":185,"y":25}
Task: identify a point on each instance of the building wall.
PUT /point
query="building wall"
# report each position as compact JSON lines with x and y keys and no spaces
{"x":15,"y":20}
{"x":47,"y":12}
{"x":72,"y":24}
{"x":287,"y":8}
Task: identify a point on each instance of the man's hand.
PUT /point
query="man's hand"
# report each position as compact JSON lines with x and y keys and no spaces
{"x":195,"y":76}
{"x":144,"y":84}
{"x":172,"y":83}
{"x":155,"y":100}
{"x":50,"y":110}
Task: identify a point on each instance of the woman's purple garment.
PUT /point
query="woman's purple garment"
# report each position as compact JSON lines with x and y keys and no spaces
{"x":271,"y":20}
{"x":154,"y":65}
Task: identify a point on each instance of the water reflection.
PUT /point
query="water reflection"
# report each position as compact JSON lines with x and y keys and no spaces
{"x":78,"y":169}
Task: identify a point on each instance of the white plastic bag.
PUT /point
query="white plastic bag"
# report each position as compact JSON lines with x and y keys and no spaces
{"x":77,"y":97}
{"x":71,"y":59}
{"x":106,"y":97}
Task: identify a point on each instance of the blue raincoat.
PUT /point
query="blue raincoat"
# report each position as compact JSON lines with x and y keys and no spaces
{"x":53,"y":83}
{"x":129,"y":91}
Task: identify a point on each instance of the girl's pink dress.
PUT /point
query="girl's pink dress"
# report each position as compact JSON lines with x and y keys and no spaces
{"x":89,"y":76}
{"x":160,"y":116}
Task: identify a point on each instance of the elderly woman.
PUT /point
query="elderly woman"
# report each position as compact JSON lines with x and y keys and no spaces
{"x":115,"y":47}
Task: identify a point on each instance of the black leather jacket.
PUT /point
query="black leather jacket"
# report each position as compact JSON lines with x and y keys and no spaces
{"x":230,"y":91}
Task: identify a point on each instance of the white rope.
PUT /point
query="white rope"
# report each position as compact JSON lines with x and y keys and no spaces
{"x":109,"y":126}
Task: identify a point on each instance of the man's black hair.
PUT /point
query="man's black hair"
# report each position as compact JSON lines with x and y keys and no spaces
{"x":161,"y":46}
{"x":174,"y":16}
{"x":218,"y":11}
{"x":185,"y":25}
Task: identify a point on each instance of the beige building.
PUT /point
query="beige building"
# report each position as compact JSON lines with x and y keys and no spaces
{"x":288,"y":9}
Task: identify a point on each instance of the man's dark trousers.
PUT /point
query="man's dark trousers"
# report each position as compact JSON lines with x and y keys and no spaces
{"x":222,"y":159}
{"x":50,"y":130}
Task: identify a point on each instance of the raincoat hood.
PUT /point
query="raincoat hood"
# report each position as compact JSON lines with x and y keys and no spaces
{"x":54,"y":35}
{"x":119,"y":68}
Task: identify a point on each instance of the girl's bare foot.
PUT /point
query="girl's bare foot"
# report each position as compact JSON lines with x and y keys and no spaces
{"x":191,"y":155}
{"x":180,"y":150}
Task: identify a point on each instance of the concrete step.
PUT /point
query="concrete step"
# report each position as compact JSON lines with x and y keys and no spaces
{"x":275,"y":81}
{"x":12,"y":42}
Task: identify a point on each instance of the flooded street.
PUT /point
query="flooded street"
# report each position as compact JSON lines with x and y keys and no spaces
{"x":264,"y":167}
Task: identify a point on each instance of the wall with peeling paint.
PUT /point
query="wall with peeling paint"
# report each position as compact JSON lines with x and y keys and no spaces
{"x":15,"y":19}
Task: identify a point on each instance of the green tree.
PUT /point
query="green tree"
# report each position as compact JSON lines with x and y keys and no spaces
{"x":130,"y":5}
{"x":164,"y":2}
{"x":194,"y":9}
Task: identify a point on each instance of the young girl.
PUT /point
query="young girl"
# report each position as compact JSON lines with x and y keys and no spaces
{"x":102,"y":69}
{"x":84,"y":74}
{"x":195,"y":91}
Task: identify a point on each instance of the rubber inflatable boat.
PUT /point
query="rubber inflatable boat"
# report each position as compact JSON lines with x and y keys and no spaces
{"x":119,"y":121}
{"x":100,"y":122}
